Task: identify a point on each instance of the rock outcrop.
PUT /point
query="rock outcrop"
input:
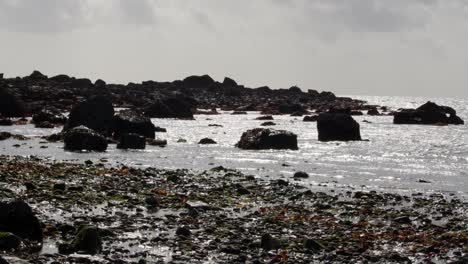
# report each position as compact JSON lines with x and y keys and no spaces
{"x":18,"y":218}
{"x":261,"y":138}
{"x":337,"y":127}
{"x":96,"y":113}
{"x":428,"y":114}
{"x":130,"y":121}
{"x":82,"y":138}
{"x":131,"y":141}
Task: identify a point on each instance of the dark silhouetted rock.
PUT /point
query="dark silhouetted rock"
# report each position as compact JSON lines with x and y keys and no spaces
{"x":9,"y":241}
{"x":83,"y":138}
{"x":6,"y":122}
{"x":5,"y":135}
{"x":129,"y":121}
{"x":100,"y":83}
{"x":301,"y":174}
{"x":11,"y":105}
{"x":428,"y":114}
{"x":268,"y":117}
{"x":17,"y":218}
{"x":205,"y":141}
{"x":291,"y":108}
{"x":87,"y":240}
{"x":268,"y":242}
{"x":373,"y":111}
{"x":356,"y":113}
{"x":202,"y":81}
{"x":37,"y":75}
{"x":174,"y":107}
{"x":160,"y":129}
{"x":157,"y":142}
{"x":96,"y":113}
{"x":51,"y":115}
{"x":61,"y":78}
{"x":131,"y":141}
{"x":81,"y":83}
{"x":44,"y":124}
{"x":239,"y":113}
{"x":261,"y":138}
{"x":269,"y":123}
{"x":310,"y":118}
{"x":229,"y":82}
{"x":337,"y":127}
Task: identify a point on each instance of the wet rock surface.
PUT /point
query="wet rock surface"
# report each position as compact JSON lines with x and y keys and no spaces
{"x":428,"y":114}
{"x":130,"y":121}
{"x":82,"y":138}
{"x":202,"y":216}
{"x":261,"y":138}
{"x":337,"y":127}
{"x":132,"y":141}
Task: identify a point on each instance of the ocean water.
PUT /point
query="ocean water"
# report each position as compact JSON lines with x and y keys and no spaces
{"x":397,"y":158}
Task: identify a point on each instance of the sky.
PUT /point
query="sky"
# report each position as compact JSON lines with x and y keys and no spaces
{"x":362,"y":47}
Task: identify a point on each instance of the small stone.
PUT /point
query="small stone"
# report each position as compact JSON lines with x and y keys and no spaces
{"x":313,"y":245}
{"x":183,"y":231}
{"x":268,"y":242}
{"x":152,"y":201}
{"x":59,"y":186}
{"x":301,"y":174}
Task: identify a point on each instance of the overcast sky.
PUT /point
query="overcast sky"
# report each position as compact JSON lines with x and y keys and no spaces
{"x":369,"y":47}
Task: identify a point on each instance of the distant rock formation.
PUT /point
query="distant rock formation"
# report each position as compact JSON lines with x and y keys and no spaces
{"x":428,"y":114}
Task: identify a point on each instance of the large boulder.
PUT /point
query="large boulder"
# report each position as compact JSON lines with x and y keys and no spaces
{"x":261,"y":138}
{"x":83,"y":138}
{"x":337,"y":127}
{"x":96,"y":113}
{"x":131,"y":141}
{"x":130,"y":121}
{"x":11,"y":105}
{"x":49,"y":114}
{"x":173,"y":107}
{"x":18,"y":218}
{"x":428,"y":114}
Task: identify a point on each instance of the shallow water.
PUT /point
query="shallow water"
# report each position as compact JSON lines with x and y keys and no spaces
{"x":395,"y":158}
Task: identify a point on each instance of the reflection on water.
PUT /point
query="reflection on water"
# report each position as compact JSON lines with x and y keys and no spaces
{"x":396,"y":157}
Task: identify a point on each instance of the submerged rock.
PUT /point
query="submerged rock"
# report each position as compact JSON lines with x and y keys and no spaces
{"x":428,"y":114}
{"x":157,"y":142}
{"x":269,"y":123}
{"x":131,"y":141}
{"x":337,"y":127}
{"x":268,"y":117}
{"x":205,"y":141}
{"x":17,"y":218}
{"x":83,"y":138}
{"x":130,"y":121}
{"x":310,"y":118}
{"x":261,"y":138}
{"x":301,"y":174}
{"x":96,"y":113}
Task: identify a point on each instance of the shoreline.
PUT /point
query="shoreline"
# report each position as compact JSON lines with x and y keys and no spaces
{"x":227,"y":216}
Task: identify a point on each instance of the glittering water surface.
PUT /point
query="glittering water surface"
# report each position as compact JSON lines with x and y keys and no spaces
{"x":395,"y":158}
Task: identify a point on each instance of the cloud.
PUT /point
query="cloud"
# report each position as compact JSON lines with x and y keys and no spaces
{"x":346,"y":46}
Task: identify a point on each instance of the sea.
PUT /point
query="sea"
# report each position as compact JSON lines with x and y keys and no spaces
{"x":406,"y":159}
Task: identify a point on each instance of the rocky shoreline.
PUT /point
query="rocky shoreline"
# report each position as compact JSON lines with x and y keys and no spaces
{"x":221,"y":215}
